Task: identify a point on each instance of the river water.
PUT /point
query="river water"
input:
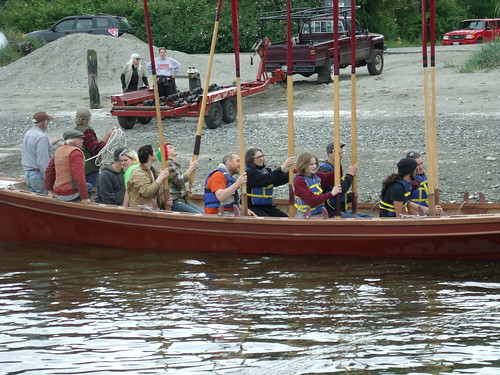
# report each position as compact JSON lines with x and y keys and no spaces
{"x":75,"y":310}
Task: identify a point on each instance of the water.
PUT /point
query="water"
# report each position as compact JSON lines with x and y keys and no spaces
{"x":80,"y":310}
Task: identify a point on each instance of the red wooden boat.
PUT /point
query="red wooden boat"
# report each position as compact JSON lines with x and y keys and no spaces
{"x":33,"y":217}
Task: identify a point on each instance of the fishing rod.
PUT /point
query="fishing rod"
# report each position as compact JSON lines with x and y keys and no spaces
{"x":201,"y":117}
{"x":289,"y":86}
{"x":166,"y":188}
{"x":241,"y":141}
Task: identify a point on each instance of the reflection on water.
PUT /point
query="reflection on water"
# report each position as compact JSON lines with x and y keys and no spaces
{"x":90,"y":310}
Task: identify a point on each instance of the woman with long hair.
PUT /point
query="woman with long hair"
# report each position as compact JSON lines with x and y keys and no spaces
{"x":133,"y":74}
{"x":309,"y":186}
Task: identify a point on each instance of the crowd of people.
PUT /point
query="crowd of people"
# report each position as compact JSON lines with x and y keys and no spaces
{"x":130,"y":180}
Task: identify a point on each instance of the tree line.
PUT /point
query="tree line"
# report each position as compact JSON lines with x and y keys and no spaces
{"x":186,"y":25}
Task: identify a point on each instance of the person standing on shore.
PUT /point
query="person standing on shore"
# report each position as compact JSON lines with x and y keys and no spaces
{"x":166,"y":70}
{"x":91,"y":144}
{"x":133,"y":74}
{"x":36,"y":152}
{"x":65,"y":173}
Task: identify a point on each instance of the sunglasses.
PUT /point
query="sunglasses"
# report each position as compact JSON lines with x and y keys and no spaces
{"x":259,"y":157}
{"x":137,"y":58}
{"x":413,"y":154}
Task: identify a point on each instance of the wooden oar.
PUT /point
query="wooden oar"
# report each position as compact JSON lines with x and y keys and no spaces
{"x":241,"y":138}
{"x":428,"y":132}
{"x":336,"y":102}
{"x":166,"y":189}
{"x":354,"y":131}
{"x":289,"y":87}
{"x":434,"y":182}
{"x":201,"y":117}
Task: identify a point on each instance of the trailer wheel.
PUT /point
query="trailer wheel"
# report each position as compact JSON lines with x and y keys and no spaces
{"x":376,"y":63}
{"x":229,"y":110}
{"x":214,"y":118}
{"x":326,"y":73}
{"x":144,"y":120}
{"x":126,"y":122}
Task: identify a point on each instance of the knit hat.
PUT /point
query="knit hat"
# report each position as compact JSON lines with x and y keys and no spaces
{"x":70,"y":134}
{"x":118,"y":152}
{"x":330,"y":147}
{"x":39,"y":117}
{"x":83,"y":113}
{"x":406,"y":166}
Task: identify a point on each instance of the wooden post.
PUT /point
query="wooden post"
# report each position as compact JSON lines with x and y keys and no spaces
{"x":94,"y":98}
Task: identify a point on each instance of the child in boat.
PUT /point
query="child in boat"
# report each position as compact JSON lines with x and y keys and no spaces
{"x":309,"y":185}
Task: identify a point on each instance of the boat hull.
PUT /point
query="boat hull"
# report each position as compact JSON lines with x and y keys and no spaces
{"x":32,"y":217}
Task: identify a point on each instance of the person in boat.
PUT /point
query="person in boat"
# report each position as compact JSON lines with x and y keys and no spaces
{"x":345,"y":183}
{"x":419,"y":185}
{"x":36,"y":152}
{"x":133,"y":74}
{"x":111,"y":187}
{"x":91,"y":145}
{"x":65,"y":173}
{"x":221,"y":188}
{"x":309,"y":186}
{"x":129,"y":161}
{"x":177,"y":182}
{"x":166,"y":70}
{"x":145,"y":186}
{"x":261,"y":181}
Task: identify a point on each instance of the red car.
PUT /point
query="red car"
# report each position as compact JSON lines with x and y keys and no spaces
{"x":473,"y":32}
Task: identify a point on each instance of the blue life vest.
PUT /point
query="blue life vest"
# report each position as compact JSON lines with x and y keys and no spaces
{"x":210,"y":198}
{"x":389,"y":208}
{"x":261,"y":195}
{"x":315,"y":185}
{"x":344,"y":199}
{"x":421,"y":194}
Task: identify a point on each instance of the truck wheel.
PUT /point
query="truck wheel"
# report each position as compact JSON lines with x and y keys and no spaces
{"x":126,"y":122}
{"x":144,"y":120}
{"x":326,"y":73}
{"x":214,"y":118}
{"x":229,"y":110}
{"x":376,"y":63}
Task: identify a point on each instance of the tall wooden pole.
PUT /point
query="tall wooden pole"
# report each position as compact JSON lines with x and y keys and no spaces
{"x":354,"y":131}
{"x":336,"y":102}
{"x":201,"y":117}
{"x":434,"y":181}
{"x":289,"y":86}
{"x":166,"y":189}
{"x":241,"y":138}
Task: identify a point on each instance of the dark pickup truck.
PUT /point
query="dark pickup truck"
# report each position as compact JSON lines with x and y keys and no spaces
{"x":313,"y":49}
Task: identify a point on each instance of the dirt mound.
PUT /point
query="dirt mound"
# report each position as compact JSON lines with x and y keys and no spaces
{"x":63,"y":63}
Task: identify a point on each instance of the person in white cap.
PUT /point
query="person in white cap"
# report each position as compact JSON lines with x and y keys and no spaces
{"x":36,"y":152}
{"x":65,"y":174}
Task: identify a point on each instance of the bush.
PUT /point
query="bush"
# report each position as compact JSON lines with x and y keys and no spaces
{"x":18,"y":46}
{"x":487,"y":58}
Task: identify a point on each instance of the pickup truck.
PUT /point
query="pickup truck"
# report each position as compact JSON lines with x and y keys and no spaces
{"x":313,"y":49}
{"x":475,"y":31}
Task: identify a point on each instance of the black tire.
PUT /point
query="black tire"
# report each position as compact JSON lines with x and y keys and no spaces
{"x":229,"y":110}
{"x":214,"y":118}
{"x":144,"y":120}
{"x":376,"y":63}
{"x":479,"y":40}
{"x":126,"y":122}
{"x":325,"y":73}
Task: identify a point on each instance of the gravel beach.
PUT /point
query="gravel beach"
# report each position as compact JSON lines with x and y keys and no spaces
{"x":390,"y":112}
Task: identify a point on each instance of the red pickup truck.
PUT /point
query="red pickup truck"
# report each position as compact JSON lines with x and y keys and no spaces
{"x":473,"y":31}
{"x":313,"y":50}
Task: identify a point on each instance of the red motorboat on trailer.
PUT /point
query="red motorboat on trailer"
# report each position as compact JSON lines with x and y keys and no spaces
{"x":33,"y":217}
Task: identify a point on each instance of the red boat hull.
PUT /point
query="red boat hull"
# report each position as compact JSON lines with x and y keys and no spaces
{"x":36,"y":218}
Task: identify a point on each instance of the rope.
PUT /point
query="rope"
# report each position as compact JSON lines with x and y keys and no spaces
{"x":106,"y":153}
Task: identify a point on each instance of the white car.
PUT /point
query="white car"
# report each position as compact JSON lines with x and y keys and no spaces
{"x":3,"y":40}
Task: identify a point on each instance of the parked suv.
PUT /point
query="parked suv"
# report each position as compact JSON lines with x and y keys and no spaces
{"x":101,"y":24}
{"x":473,"y":32}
